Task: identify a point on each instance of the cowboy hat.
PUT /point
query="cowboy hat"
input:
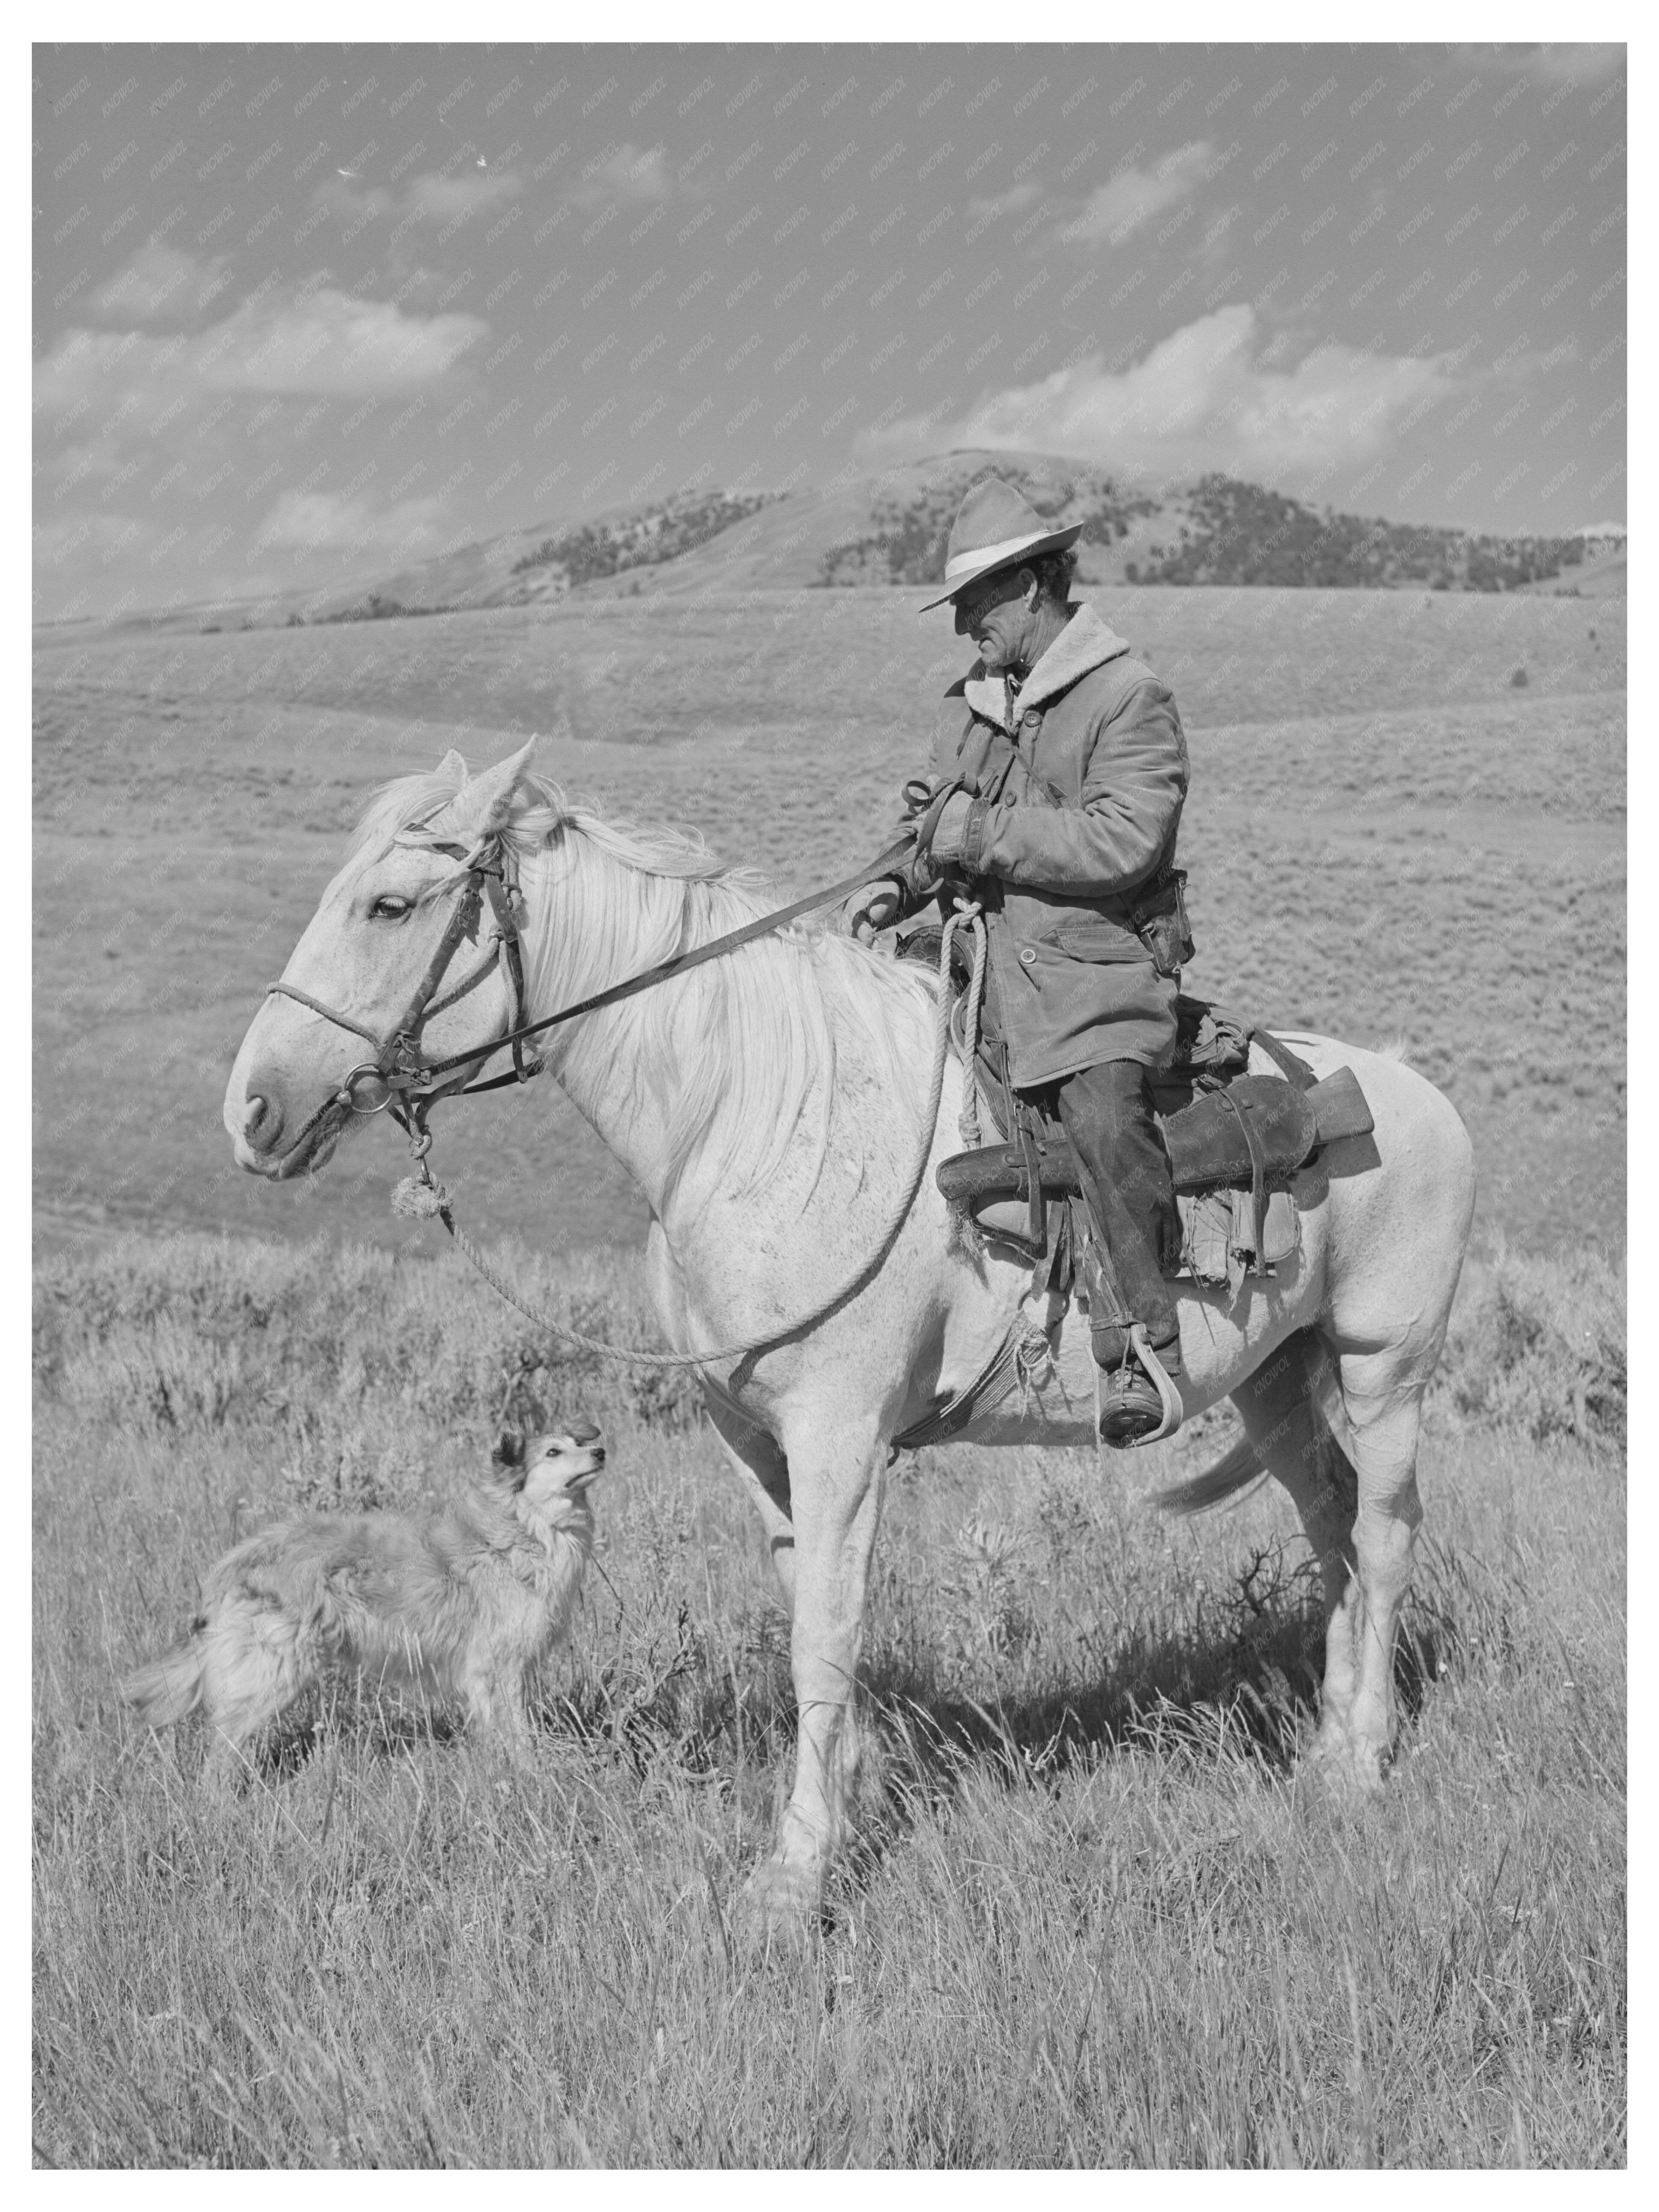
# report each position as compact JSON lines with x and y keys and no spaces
{"x":996,"y":528}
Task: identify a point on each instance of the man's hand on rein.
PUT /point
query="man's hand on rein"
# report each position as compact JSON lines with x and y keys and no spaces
{"x":874,"y":907}
{"x":951,"y":829}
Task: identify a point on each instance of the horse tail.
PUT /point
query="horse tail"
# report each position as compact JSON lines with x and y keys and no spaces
{"x":1234,"y":1471}
{"x":171,"y":1686}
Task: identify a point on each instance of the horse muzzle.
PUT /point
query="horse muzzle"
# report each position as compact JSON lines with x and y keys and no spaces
{"x":270,"y":1137}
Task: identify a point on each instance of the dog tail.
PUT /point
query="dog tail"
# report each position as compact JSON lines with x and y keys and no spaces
{"x":171,"y":1686}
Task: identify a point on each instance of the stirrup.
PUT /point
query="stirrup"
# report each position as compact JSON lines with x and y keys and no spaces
{"x":1140,"y":1344}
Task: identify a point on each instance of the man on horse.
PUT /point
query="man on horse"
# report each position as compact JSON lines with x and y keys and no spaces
{"x":1054,"y":797}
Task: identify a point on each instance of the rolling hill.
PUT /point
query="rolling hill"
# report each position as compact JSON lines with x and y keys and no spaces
{"x":891,"y":529}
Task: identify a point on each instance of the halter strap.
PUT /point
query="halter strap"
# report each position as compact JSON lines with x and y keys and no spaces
{"x":399,"y":1063}
{"x":329,"y":1013}
{"x":762,"y":926}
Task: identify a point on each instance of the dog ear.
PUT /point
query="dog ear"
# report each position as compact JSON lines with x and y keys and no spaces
{"x":509,"y":1449}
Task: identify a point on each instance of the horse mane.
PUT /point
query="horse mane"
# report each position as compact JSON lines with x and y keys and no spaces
{"x":737,"y":1050}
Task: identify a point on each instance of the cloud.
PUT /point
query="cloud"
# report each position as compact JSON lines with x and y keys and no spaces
{"x":104,"y":534}
{"x":332,"y":342}
{"x":161,"y":284}
{"x":1117,"y":209}
{"x":445,"y":198}
{"x":322,"y":341}
{"x":1565,"y":63}
{"x":1204,"y":398}
{"x":468,"y":193}
{"x":304,"y":523}
{"x":627,"y":171}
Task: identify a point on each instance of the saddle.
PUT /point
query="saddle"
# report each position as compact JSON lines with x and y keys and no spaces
{"x":1226,"y":1131}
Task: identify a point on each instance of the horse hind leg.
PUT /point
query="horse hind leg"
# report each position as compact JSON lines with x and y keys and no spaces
{"x":1282,"y":1406}
{"x":1357,"y":1500}
{"x":1288,"y":1435}
{"x":1382,"y":1405}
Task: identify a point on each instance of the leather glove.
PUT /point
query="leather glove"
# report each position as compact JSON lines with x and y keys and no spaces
{"x":872,"y":908}
{"x":951,"y":829}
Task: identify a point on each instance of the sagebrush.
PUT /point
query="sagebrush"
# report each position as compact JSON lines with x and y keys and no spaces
{"x":1097,"y":1913}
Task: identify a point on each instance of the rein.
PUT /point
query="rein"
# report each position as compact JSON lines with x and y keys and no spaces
{"x":681,"y":963}
{"x":420,"y":1198}
{"x":400,"y":1072}
{"x":402,"y":1078}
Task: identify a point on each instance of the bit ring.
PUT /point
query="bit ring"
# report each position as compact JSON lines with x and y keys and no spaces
{"x":369,"y":1070}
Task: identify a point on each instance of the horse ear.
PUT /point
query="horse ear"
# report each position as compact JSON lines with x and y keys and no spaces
{"x":452,"y":769}
{"x":489,"y":796}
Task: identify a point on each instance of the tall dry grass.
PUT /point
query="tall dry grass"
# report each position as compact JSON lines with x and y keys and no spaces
{"x":1097,"y":1914}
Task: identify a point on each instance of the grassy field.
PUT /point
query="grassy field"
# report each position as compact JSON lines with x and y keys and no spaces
{"x":1097,"y":1916}
{"x":1388,"y":838}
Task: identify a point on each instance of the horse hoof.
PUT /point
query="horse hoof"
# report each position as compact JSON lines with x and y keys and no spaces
{"x":781,"y":1897}
{"x":1346,"y":1770}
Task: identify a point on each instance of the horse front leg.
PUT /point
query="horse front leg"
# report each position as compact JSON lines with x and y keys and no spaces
{"x":836,"y":1498}
{"x":758,"y":1458}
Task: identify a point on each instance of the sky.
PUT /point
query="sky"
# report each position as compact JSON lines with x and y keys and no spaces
{"x":304,"y":315}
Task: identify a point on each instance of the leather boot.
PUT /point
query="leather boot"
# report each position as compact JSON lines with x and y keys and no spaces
{"x":1107,"y":1114}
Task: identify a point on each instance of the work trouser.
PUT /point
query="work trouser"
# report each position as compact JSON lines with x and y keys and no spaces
{"x":1106,"y":1112}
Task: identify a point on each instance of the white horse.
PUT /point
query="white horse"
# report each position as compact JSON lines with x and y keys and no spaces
{"x":768,"y":1105}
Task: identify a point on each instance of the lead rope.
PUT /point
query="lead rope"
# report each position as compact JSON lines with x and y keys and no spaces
{"x":421,"y":1197}
{"x":967,"y":1119}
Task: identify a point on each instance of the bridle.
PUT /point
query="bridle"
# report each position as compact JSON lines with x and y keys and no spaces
{"x":401,"y":1079}
{"x":400,"y":1076}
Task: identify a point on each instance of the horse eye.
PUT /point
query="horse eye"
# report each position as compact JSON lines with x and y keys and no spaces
{"x":390,"y":908}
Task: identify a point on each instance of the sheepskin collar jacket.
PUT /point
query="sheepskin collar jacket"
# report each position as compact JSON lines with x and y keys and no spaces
{"x":1077,"y":779}
{"x":1086,"y":642}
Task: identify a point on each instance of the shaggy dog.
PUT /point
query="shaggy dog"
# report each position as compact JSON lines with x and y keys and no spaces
{"x":461,"y":1604}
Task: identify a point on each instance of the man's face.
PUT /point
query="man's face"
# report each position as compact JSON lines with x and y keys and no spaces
{"x":995,"y":614}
